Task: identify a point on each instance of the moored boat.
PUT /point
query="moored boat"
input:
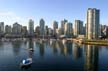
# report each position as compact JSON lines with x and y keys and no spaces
{"x":26,"y":62}
{"x":31,"y":49}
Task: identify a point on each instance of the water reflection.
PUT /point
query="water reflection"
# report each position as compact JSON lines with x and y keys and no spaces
{"x":69,"y":47}
{"x":77,"y":51}
{"x":30,"y":53}
{"x":1,"y":45}
{"x":55,"y":47}
{"x":16,"y":47}
{"x":53,"y":55}
{"x":61,"y":46}
{"x":41,"y":49}
{"x":30,"y":47}
{"x":64,"y":48}
{"x":91,"y":58}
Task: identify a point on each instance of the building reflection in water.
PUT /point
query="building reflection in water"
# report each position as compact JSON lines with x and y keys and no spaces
{"x":16,"y":46}
{"x":76,"y":51}
{"x":54,"y":47}
{"x":30,"y":45}
{"x":91,"y":58}
{"x":1,"y":45}
{"x":61,"y":46}
{"x":69,"y":47}
{"x":41,"y":49}
{"x":65,"y":48}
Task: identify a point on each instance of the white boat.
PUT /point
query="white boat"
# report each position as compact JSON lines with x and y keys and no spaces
{"x":31,"y":49}
{"x":26,"y":62}
{"x":64,"y":41}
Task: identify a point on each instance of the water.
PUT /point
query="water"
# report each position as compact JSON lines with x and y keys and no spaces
{"x":53,"y":56}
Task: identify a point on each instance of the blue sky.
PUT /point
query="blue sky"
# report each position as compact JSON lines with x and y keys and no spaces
{"x":50,"y":10}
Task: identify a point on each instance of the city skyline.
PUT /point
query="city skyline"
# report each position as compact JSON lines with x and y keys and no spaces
{"x":22,"y":10}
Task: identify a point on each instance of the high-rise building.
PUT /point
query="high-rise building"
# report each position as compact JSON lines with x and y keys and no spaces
{"x":24,"y":30}
{"x":1,"y":27}
{"x":16,"y":28}
{"x":63,"y":26}
{"x":50,"y":31}
{"x":84,"y":29}
{"x":37,"y":30}
{"x":42,"y":27}
{"x":104,"y":30}
{"x":46,"y":30}
{"x":8,"y":29}
{"x":93,"y":23}
{"x":68,"y":29}
{"x":31,"y":27}
{"x":58,"y":32}
{"x":78,"y":28}
{"x":55,"y":27}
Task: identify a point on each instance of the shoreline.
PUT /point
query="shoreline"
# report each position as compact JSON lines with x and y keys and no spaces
{"x":93,"y":42}
{"x":80,"y":41}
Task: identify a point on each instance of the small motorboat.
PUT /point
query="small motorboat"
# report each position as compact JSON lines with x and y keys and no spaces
{"x":31,"y":49}
{"x":26,"y":62}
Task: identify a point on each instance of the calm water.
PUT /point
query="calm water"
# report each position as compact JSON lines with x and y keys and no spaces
{"x":52,"y":56}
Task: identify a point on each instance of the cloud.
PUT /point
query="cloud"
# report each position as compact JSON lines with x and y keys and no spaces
{"x":11,"y":17}
{"x":7,"y":14}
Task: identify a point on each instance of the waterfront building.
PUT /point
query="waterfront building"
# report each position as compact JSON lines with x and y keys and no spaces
{"x":31,"y":27}
{"x":24,"y":30}
{"x":50,"y":31}
{"x":42,"y":27}
{"x":16,"y":29}
{"x":57,"y":32}
{"x":93,"y":21}
{"x":103,"y":27}
{"x":78,"y":28}
{"x":1,"y":28}
{"x":63,"y":26}
{"x":55,"y":27}
{"x":37,"y":30}
{"x":8,"y":29}
{"x":46,"y":30}
{"x":104,"y":30}
{"x":84,"y":30}
{"x":68,"y":29}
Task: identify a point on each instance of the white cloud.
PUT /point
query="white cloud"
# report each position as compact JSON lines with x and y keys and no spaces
{"x":7,"y":14}
{"x":11,"y":17}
